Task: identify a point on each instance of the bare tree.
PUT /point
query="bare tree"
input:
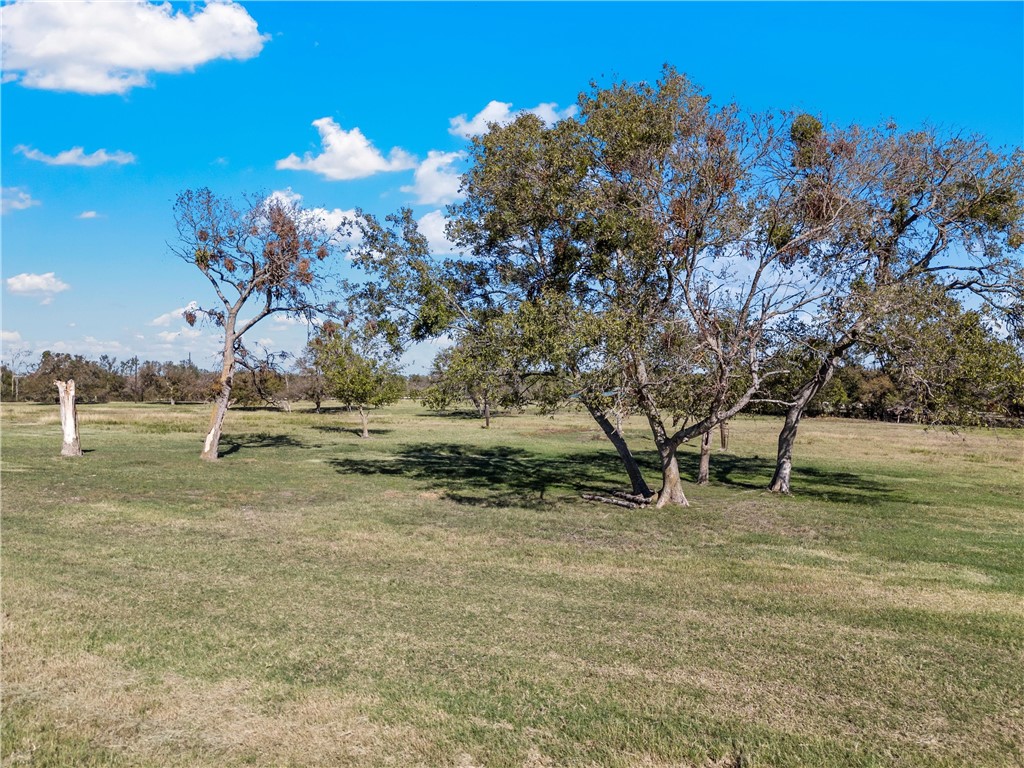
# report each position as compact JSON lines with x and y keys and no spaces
{"x":266,"y":256}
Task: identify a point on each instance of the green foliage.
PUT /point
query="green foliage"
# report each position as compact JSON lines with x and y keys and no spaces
{"x":807,"y":135}
{"x":353,"y":377}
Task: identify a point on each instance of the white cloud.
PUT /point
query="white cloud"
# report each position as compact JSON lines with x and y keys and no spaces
{"x":88,"y":215}
{"x":284,"y":322}
{"x":45,"y":285}
{"x":77,"y":156}
{"x":436,"y":179}
{"x":346,"y":155}
{"x":16,"y":199}
{"x":431,"y":226}
{"x":501,"y":112}
{"x":167,"y":318}
{"x":10,"y":337}
{"x":330,"y":219}
{"x":183,"y":333}
{"x":94,"y":47}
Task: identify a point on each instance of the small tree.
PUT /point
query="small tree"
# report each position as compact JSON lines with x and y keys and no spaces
{"x":267,"y":256}
{"x":354,"y":372}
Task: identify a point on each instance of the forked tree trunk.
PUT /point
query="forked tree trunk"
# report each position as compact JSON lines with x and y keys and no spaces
{"x":636,"y":478}
{"x":69,"y":418}
{"x":704,"y":472}
{"x":723,"y":433}
{"x":671,"y":484}
{"x":364,"y":418}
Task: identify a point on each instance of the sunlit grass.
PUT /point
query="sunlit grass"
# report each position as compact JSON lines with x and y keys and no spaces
{"x":440,"y":595}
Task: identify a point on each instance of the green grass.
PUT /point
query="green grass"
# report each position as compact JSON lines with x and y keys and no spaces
{"x":439,"y":595}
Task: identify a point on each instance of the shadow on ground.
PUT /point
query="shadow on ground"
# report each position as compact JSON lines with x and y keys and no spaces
{"x":231,"y":444}
{"x":499,"y":475}
{"x":357,"y":431}
{"x":754,"y":473}
{"x":503,"y":475}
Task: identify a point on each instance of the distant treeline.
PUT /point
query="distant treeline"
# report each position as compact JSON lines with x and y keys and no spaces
{"x":858,"y":390}
{"x":133,"y":380}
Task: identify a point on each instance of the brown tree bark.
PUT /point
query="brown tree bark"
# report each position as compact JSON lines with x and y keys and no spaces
{"x":636,"y":478}
{"x":723,"y":433}
{"x":704,"y":472}
{"x":364,"y":419}
{"x":68,"y":418}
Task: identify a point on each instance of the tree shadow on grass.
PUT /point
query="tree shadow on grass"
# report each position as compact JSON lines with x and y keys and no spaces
{"x":512,"y":476}
{"x":494,"y":476}
{"x":755,"y":473}
{"x":357,"y":431}
{"x":231,"y":444}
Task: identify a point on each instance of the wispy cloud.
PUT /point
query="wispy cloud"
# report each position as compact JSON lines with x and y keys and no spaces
{"x":346,"y":155}
{"x":174,"y":315}
{"x":88,"y":215}
{"x":94,"y":47}
{"x":77,"y":156}
{"x":16,"y":199}
{"x":501,"y":112}
{"x":436,"y":180}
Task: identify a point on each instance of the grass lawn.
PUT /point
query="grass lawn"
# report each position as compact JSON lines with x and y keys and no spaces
{"x":439,"y":595}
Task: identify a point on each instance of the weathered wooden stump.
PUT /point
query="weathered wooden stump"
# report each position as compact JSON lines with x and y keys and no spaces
{"x":69,"y":418}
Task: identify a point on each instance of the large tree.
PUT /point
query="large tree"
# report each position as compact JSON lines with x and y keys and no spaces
{"x":929,"y":214}
{"x":680,"y":228}
{"x":262,"y":256}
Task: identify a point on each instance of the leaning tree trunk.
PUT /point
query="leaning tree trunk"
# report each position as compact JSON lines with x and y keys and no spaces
{"x":806,"y":393}
{"x":363,"y":417}
{"x":636,"y":478}
{"x":784,"y":460}
{"x":69,"y":418}
{"x":704,"y":472}
{"x":211,"y":445}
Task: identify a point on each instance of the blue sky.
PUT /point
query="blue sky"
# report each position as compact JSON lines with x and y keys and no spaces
{"x":108,"y":111}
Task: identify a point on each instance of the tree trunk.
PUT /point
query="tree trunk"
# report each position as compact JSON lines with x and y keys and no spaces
{"x":784,"y":459}
{"x":364,"y":418}
{"x":705,"y":458}
{"x":211,"y":445}
{"x":671,"y":484}
{"x":723,"y":433}
{"x":69,"y":418}
{"x":487,"y":413}
{"x":806,"y":393}
{"x":636,"y":478}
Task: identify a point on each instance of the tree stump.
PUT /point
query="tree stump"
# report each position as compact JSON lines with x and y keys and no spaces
{"x":69,"y":418}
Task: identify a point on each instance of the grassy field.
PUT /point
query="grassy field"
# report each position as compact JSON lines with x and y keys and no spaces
{"x":439,"y":595}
